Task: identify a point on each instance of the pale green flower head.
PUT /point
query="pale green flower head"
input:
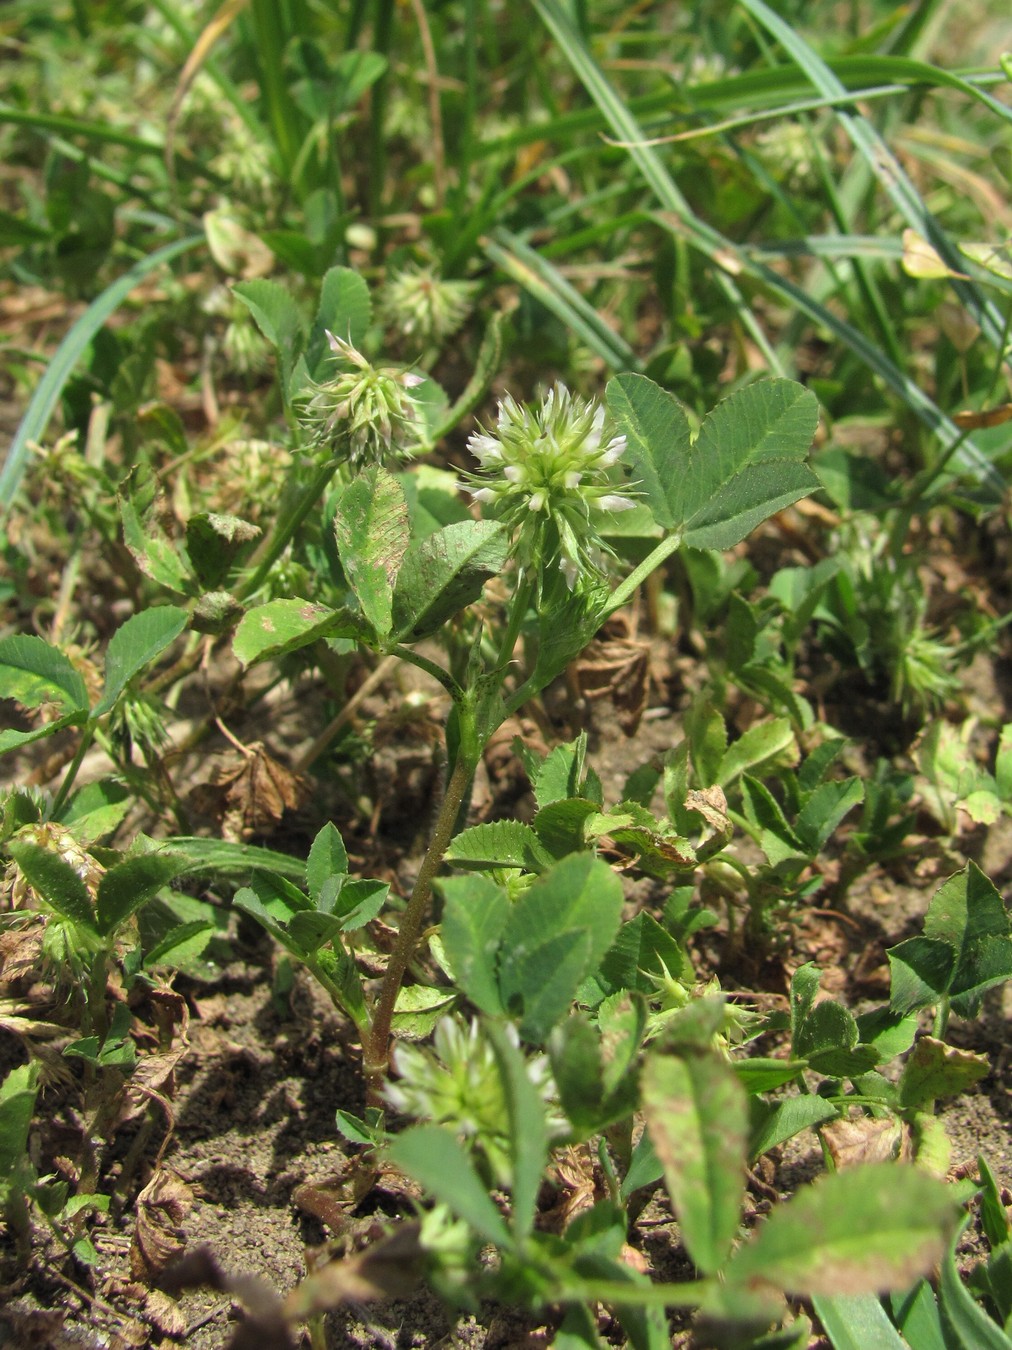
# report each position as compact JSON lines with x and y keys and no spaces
{"x":546,"y":472}
{"x":457,"y":1083}
{"x":365,"y":414}
{"x":420,"y":304}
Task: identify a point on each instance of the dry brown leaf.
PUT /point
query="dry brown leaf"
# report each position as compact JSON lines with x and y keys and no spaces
{"x":618,"y":667}
{"x":333,"y":1199}
{"x":249,"y":792}
{"x":863,"y":1140}
{"x":158,"y":1235}
{"x":390,"y":1268}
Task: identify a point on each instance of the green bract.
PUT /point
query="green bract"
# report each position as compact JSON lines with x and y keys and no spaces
{"x":546,"y":472}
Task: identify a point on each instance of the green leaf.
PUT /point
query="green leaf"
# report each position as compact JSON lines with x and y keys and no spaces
{"x":445,"y":572}
{"x":371,"y":529}
{"x":134,"y":645}
{"x":17,"y":1107}
{"x":744,"y":465}
{"x":917,"y":1317}
{"x":920,"y":971}
{"x":697,"y":1114}
{"x":824,"y":810}
{"x":33,"y":672}
{"x":538,"y":983}
{"x":967,"y":1325}
{"x":418,"y":1008}
{"x":776,"y":838}
{"x":528,"y":1131}
{"x":433,"y":1158}
{"x":345,"y":309}
{"x":219,"y":857}
{"x":967,"y":912}
{"x":866,"y":1229}
{"x":56,"y":882}
{"x":14,"y":740}
{"x":658,"y":439}
{"x":499,"y":843}
{"x":96,"y":809}
{"x":934,"y":1069}
{"x":283,"y":626}
{"x":759,"y":743}
{"x":642,"y":948}
{"x":277,"y":316}
{"x":774,"y":1123}
{"x":560,"y":774}
{"x":124,"y":888}
{"x":153,"y":552}
{"x":328,"y":857}
{"x":180,"y":945}
{"x":215,"y":542}
{"x":857,"y":1322}
{"x":474,"y":918}
{"x":579,"y":893}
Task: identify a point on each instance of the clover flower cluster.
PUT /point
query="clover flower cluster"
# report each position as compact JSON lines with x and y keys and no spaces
{"x":366,"y":414}
{"x":420,"y":304}
{"x":457,"y":1083}
{"x":546,"y":473}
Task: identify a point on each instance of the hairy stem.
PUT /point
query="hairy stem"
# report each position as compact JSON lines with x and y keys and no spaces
{"x":376,"y":1048}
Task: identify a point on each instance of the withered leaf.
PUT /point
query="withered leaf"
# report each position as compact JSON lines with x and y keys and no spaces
{"x":249,"y":793}
{"x":158,"y":1236}
{"x":390,"y":1268}
{"x":863,"y":1140}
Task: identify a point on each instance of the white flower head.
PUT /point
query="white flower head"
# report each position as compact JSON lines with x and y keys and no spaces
{"x":547,"y":473}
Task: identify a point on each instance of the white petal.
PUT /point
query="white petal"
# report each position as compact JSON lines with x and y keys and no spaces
{"x":570,"y":570}
{"x":537,"y":501}
{"x":410,"y":381}
{"x":483,"y":494}
{"x":613,"y":502}
{"x":613,"y":451}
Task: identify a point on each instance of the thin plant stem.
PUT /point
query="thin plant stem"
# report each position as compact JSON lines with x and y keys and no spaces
{"x":376,"y":1047}
{"x":87,"y":736}
{"x":286,"y":527}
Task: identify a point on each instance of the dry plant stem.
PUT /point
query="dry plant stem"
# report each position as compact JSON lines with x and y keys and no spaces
{"x":373,"y":681}
{"x":376,"y":1048}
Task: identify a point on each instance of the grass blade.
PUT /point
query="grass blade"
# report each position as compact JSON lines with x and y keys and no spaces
{"x":46,"y":396}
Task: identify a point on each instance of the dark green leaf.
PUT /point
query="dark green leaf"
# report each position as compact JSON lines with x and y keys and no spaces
{"x":443,"y":573}
{"x":33,"y":672}
{"x":56,"y":882}
{"x":134,"y":645}
{"x":130,"y":884}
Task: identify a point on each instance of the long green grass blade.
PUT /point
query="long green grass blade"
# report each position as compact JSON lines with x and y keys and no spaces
{"x":885,"y":166}
{"x":77,"y":126}
{"x":678,"y":219}
{"x":542,"y":280}
{"x":46,"y":396}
